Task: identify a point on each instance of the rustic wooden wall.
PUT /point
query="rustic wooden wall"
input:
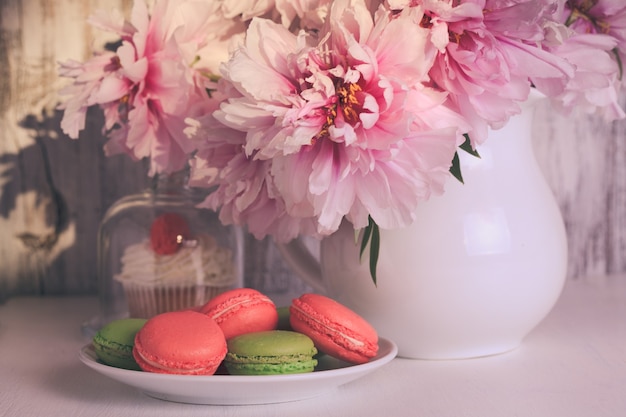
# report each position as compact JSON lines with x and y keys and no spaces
{"x":584,"y":160}
{"x":54,"y":190}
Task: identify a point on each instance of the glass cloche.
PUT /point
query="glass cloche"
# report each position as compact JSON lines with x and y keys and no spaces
{"x":158,"y":252}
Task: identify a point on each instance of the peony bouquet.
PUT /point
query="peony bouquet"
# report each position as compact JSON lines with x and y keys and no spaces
{"x":303,"y":113}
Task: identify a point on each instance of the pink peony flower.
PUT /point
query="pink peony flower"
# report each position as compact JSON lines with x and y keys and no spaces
{"x":484,"y":59}
{"x":306,"y":14}
{"x":598,"y":16}
{"x":247,"y":9}
{"x":336,"y":126}
{"x":582,"y":40}
{"x":246,"y":194}
{"x":596,"y":82}
{"x":85,"y":91}
{"x":330,"y":110}
{"x":300,"y":14}
{"x":148,"y":86}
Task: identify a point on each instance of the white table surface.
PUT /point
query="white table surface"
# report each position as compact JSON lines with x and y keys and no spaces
{"x":573,"y":364}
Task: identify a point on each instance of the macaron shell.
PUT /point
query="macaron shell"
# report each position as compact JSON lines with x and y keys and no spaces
{"x":271,"y":368}
{"x":335,"y":329}
{"x":180,"y":342}
{"x":242,"y":310}
{"x":113,"y":343}
{"x":270,"y":353}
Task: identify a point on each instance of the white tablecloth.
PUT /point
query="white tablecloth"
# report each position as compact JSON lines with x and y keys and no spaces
{"x":572,"y":365}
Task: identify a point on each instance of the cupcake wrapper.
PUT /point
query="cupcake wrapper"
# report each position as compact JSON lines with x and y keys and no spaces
{"x":147,"y":301}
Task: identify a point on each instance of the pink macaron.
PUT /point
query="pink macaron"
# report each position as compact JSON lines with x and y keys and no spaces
{"x":180,"y":342}
{"x":242,"y":310}
{"x":334,"y":328}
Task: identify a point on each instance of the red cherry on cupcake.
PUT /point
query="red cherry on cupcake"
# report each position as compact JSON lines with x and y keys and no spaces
{"x":167,"y":233}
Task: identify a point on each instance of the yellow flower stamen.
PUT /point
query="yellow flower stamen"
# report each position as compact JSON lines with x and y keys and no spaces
{"x":346,"y":101}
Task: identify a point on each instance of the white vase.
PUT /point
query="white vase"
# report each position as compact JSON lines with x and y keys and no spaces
{"x":481,"y":266}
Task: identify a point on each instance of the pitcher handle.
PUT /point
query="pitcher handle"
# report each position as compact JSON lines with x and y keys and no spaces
{"x":303,"y":263}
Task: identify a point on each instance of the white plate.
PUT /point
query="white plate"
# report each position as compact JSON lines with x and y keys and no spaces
{"x":236,"y":389}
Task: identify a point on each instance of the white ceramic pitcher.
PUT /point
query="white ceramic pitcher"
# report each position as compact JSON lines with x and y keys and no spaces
{"x":482,"y":265}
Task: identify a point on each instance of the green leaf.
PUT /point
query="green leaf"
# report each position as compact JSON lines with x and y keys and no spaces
{"x":374,"y":251}
{"x":467,"y":146}
{"x":455,"y":169}
{"x":366,"y":237}
{"x":371,"y":235}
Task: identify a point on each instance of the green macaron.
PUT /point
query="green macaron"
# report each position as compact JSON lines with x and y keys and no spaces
{"x":271,"y":352}
{"x":114,"y":342}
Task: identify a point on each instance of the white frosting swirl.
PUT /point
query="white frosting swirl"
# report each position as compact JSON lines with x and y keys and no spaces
{"x":198,"y":262}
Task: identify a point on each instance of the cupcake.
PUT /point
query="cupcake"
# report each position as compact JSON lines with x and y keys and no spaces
{"x":173,"y":270}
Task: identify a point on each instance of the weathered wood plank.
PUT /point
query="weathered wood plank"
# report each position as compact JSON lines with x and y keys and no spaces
{"x":583,"y":159}
{"x":53,"y":190}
